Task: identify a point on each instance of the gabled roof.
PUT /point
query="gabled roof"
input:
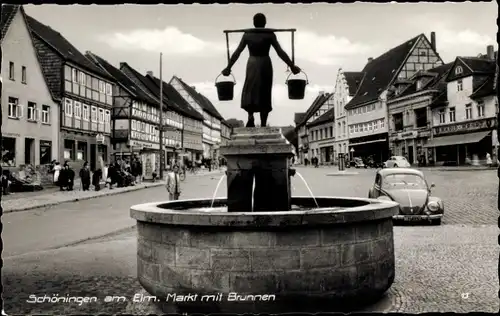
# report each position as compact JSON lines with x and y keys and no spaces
{"x":439,"y":76}
{"x":200,"y":99}
{"x":353,"y":81}
{"x":175,"y":97}
{"x":479,"y":65}
{"x":298,"y":117}
{"x":315,"y":106}
{"x":486,"y":89}
{"x":381,"y":72}
{"x":62,"y":47}
{"x":326,"y":117}
{"x":122,"y":79}
{"x":8,"y":13}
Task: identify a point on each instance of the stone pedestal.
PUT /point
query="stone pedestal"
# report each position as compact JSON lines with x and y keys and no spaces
{"x":261,"y":155}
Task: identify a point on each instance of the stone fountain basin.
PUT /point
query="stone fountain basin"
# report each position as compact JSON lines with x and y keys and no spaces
{"x":341,"y":252}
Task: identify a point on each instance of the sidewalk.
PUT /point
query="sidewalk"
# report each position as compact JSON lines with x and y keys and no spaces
{"x":24,"y":201}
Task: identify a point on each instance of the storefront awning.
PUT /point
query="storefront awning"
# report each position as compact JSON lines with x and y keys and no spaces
{"x":457,"y":139}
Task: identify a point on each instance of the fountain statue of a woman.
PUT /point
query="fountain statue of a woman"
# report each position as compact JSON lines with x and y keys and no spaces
{"x":256,"y":95}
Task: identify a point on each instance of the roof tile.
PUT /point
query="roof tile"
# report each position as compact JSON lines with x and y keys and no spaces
{"x":380,"y":72}
{"x":353,"y":81}
{"x":201,"y":100}
{"x":63,"y":47}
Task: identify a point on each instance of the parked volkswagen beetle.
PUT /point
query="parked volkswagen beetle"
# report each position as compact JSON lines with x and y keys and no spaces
{"x":409,"y":188}
{"x":397,"y":162}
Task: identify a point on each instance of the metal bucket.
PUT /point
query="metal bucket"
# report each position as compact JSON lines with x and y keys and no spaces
{"x":296,"y":87}
{"x":225,"y":89}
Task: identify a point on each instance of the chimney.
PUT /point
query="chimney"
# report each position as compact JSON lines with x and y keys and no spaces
{"x":490,"y":52}
{"x":370,"y":59}
{"x":122,"y":64}
{"x":433,"y":40}
{"x":321,"y":92}
{"x":150,"y":73}
{"x":194,"y":88}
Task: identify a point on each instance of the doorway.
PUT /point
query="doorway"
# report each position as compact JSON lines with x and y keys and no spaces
{"x":29,"y":151}
{"x":410,"y":154}
{"x":93,"y":151}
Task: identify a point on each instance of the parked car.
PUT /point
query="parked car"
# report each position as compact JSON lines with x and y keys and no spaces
{"x":356,"y":162}
{"x":409,"y":188}
{"x":397,"y":162}
{"x":371,"y":163}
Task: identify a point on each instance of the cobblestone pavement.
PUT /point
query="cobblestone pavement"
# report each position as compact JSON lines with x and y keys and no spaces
{"x":470,"y":197}
{"x":438,"y":269}
{"x":435,"y":265}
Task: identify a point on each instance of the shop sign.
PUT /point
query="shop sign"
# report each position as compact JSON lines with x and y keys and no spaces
{"x":407,"y":135}
{"x":465,"y":127}
{"x":99,"y":138}
{"x":139,"y":144}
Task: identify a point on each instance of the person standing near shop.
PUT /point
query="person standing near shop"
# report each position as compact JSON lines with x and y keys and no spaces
{"x":85,"y":176}
{"x":173,"y":184}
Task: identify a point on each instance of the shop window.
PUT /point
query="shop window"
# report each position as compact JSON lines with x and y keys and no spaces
{"x":45,"y":152}
{"x":8,"y":152}
{"x":69,"y":149}
{"x":81,"y":153}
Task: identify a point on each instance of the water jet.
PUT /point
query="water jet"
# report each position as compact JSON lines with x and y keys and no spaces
{"x":313,"y":254}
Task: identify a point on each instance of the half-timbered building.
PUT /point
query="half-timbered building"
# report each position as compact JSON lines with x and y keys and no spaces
{"x":85,"y":92}
{"x":134,"y":120}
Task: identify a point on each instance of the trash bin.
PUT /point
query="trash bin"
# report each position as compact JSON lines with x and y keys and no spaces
{"x":341,"y":162}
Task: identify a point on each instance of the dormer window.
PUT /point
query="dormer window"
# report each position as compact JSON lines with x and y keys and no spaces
{"x":459,"y":70}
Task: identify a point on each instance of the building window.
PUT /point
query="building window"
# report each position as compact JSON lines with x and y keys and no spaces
{"x":460,"y":85}
{"x":356,"y":128}
{"x":480,"y":108}
{"x":68,"y":107}
{"x":45,"y":114}
{"x":468,"y":111}
{"x":23,"y":74}
{"x":12,"y":71}
{"x":101,"y":116}
{"x":82,"y":78}
{"x":85,"y":112}
{"x":382,"y":123}
{"x":442,"y":117}
{"x":78,"y":110}
{"x":459,"y":70}
{"x":69,"y":149}
{"x":93,"y":114}
{"x":74,"y":76}
{"x":452,"y":115}
{"x":45,"y":151}
{"x":15,"y":111}
{"x":32,"y":111}
{"x":8,"y":152}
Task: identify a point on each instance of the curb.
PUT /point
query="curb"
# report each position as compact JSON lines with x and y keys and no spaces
{"x":146,"y":186}
{"x":21,"y":209}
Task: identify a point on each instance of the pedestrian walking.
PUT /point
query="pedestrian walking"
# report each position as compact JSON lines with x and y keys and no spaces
{"x":57,"y":171}
{"x":85,"y":176}
{"x":96,"y":179}
{"x":70,"y":176}
{"x":489,"y":162}
{"x":62,"y":179}
{"x":173,"y":184}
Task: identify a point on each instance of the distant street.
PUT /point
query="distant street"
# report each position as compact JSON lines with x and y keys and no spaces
{"x":469,"y":198}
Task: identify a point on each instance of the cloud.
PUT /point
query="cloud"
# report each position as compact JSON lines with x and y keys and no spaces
{"x":283,"y":108}
{"x":309,"y":46}
{"x":323,"y":49}
{"x":170,"y":41}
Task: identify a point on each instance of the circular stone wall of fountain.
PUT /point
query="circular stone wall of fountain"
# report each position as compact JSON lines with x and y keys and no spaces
{"x":341,"y":252}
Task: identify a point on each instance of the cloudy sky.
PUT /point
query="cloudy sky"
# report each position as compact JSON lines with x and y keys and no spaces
{"x":328,"y":36}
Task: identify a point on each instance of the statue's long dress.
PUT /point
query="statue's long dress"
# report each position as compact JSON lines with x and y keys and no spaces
{"x":257,"y":90}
